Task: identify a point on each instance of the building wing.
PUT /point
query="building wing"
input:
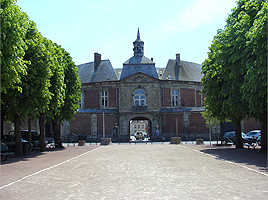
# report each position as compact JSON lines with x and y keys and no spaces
{"x":185,"y":71}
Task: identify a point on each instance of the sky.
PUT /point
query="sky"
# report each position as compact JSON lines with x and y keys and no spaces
{"x":109,"y":27}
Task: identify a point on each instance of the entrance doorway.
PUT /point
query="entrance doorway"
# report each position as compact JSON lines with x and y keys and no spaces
{"x":140,"y":129}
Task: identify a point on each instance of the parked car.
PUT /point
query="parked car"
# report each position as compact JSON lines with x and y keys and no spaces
{"x":230,"y":136}
{"x":259,"y":140}
{"x":251,"y":136}
{"x":139,"y":135}
{"x":9,"y":140}
{"x":24,"y":135}
{"x":5,"y":152}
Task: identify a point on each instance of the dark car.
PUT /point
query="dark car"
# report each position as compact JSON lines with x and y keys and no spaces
{"x":9,"y":140}
{"x":230,"y":136}
{"x":24,"y":135}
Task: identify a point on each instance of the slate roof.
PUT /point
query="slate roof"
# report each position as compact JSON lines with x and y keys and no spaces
{"x":138,"y":60}
{"x":138,"y":64}
{"x":104,"y":72}
{"x":187,"y":71}
{"x":86,"y":71}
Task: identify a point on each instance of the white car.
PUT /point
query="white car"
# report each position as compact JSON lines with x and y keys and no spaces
{"x":139,"y":135}
{"x":252,"y":136}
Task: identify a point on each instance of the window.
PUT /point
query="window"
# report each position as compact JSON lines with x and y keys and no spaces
{"x":139,"y":98}
{"x":104,"y":98}
{"x":81,"y":101}
{"x":175,"y":98}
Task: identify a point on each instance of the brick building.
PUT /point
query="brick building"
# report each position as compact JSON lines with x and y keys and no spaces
{"x":140,"y":91}
{"x":166,"y":101}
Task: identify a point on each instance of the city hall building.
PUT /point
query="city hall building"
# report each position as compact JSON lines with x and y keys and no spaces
{"x":160,"y":102}
{"x":163,"y":102}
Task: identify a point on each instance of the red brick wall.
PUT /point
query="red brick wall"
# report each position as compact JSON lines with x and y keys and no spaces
{"x":110,"y":121}
{"x":81,"y":124}
{"x":112,"y":97}
{"x":197,"y":123}
{"x":91,"y":99}
{"x":251,"y":124}
{"x":167,"y":97}
{"x":187,"y":97}
{"x":198,"y":99}
{"x":169,"y":123}
{"x":6,"y":128}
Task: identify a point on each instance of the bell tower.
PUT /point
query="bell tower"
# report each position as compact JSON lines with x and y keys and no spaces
{"x":138,"y":45}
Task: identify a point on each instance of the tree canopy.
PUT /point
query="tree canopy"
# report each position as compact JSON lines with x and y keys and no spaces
{"x":237,"y":55}
{"x":38,"y":77}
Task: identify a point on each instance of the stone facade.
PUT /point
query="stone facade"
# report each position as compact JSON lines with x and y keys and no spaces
{"x":167,"y":100}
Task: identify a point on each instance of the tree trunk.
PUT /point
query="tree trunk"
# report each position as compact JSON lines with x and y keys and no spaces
{"x":42,"y":132}
{"x":29,"y":130}
{"x":264,"y":134}
{"x":56,"y":132}
{"x":18,"y":144}
{"x":238,"y":137}
{"x":2,"y":122}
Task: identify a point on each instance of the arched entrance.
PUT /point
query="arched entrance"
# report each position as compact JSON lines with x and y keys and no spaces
{"x":140,"y":129}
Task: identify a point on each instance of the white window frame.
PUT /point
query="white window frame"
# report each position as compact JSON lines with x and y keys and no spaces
{"x":175,"y":98}
{"x":104,"y":98}
{"x":139,"y":97}
{"x":81,"y":102}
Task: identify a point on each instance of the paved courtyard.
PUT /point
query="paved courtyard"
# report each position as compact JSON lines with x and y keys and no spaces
{"x":141,"y":171}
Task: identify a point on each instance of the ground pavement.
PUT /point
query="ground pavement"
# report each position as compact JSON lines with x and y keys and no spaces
{"x":141,"y":171}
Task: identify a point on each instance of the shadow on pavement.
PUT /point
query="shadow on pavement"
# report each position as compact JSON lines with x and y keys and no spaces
{"x":241,"y":156}
{"x":32,"y":154}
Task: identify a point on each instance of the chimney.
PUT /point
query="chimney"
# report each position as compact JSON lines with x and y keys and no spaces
{"x":97,"y":60}
{"x":152,"y":59}
{"x":178,"y":58}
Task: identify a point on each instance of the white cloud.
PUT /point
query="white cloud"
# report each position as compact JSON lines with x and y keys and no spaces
{"x":198,"y":14}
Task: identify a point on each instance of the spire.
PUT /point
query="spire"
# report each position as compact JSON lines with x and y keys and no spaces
{"x":138,"y":45}
{"x":138,"y":35}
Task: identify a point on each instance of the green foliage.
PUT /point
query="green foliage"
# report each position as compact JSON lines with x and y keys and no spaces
{"x":73,"y":86}
{"x":255,"y":85}
{"x":57,"y":88}
{"x":37,"y":75}
{"x":235,"y":72}
{"x":226,"y":66}
{"x":14,"y":24}
{"x":36,"y":83}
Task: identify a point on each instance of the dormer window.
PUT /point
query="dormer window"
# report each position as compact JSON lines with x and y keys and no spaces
{"x":139,"y":97}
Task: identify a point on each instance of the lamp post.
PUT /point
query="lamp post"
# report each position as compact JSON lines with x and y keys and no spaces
{"x":177,"y":128}
{"x":103,"y":125}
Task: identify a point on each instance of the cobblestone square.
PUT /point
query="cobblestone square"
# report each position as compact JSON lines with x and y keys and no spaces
{"x":142,"y":171}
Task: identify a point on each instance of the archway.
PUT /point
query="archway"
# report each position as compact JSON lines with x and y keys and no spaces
{"x":140,"y":129}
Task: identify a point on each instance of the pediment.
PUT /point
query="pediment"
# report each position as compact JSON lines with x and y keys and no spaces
{"x":139,"y":77}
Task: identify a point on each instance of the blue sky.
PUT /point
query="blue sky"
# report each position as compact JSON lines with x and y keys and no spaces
{"x":109,"y":27}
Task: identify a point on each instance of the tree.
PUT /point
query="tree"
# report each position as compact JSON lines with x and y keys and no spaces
{"x":255,"y":84}
{"x":14,"y":25}
{"x":225,"y":68}
{"x":37,"y":81}
{"x":57,"y":90}
{"x":73,"y":86}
